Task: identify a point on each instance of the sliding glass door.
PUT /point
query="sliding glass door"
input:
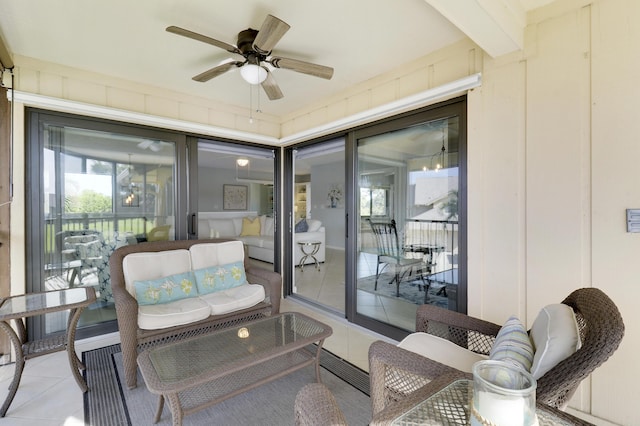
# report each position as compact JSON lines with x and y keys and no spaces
{"x":95,"y":187}
{"x":408,"y":245}
{"x":317,"y":224}
{"x":236,"y":198}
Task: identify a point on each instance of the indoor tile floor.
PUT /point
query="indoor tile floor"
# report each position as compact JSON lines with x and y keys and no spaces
{"x":326,"y":286}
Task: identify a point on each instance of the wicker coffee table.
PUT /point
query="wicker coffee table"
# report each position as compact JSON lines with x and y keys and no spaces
{"x":201,"y":371}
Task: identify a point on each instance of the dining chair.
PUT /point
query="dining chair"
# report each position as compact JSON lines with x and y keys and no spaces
{"x":391,"y":254}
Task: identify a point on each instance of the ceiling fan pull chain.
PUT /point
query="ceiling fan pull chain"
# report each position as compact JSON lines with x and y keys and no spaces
{"x":258,"y":110}
{"x":251,"y":104}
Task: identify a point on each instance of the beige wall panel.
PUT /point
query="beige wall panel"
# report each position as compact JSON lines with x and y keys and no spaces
{"x":194,"y":113}
{"x":162,"y":107}
{"x":335,"y":111}
{"x":558,"y":163}
{"x":84,"y":91}
{"x":416,"y":81}
{"x":318,"y":117}
{"x":222,"y":119}
{"x":384,"y":93}
{"x":50,"y":84}
{"x":616,"y":187}
{"x":359,"y":102}
{"x":125,"y":99}
{"x":28,"y":80}
{"x":496,"y":195}
{"x":269,"y":128}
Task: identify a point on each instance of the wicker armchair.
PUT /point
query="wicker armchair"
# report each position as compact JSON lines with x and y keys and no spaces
{"x":316,"y":406}
{"x":601,"y":330}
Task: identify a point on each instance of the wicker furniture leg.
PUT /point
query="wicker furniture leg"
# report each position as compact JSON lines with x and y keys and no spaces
{"x":156,"y":419}
{"x":74,"y":361}
{"x":316,"y":406}
{"x":17,"y":374}
{"x":176,"y":409}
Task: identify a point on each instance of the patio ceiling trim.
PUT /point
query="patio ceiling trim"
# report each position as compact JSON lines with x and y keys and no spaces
{"x":417,"y":100}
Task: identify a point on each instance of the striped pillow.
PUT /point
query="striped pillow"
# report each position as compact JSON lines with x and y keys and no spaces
{"x":513,"y":345}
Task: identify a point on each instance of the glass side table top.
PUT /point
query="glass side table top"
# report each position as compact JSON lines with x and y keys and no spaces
{"x":31,"y":304}
{"x":309,"y":243}
{"x":450,"y":406}
{"x":222,"y":349}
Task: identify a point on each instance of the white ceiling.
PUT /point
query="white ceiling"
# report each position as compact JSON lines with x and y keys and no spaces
{"x":360,"y":39}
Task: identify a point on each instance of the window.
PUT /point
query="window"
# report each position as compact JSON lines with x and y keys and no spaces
{"x":373,"y":202}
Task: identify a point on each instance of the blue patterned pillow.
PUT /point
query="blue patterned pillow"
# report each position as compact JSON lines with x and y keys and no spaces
{"x":165,"y":289}
{"x":302,"y":226}
{"x":513,"y":345}
{"x":222,"y":277}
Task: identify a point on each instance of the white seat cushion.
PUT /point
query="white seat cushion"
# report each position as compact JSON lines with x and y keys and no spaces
{"x":258,"y":241}
{"x":441,"y":350}
{"x":233,"y":299}
{"x":179,"y":312}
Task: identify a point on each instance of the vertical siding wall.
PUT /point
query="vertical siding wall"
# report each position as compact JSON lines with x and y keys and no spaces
{"x":553,"y":164}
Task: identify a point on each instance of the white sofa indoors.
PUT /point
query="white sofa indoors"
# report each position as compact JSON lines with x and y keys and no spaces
{"x":257,"y":233}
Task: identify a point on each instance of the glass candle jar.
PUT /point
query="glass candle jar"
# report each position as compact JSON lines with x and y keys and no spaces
{"x":503,"y":395}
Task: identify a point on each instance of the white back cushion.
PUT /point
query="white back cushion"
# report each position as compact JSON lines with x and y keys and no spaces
{"x":222,"y":228}
{"x":314,"y":225}
{"x":267,"y":228}
{"x":214,"y":254}
{"x":153,"y":265}
{"x":554,"y":335}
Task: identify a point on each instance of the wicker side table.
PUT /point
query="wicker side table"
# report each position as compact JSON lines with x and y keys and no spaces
{"x":17,"y":308}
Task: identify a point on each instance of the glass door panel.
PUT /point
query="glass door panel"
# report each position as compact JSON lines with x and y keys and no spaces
{"x":318,"y":224}
{"x":407,"y":246}
{"x":236,"y":188}
{"x":101,"y":190}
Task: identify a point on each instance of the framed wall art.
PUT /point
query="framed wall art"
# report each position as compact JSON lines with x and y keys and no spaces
{"x":234,"y":197}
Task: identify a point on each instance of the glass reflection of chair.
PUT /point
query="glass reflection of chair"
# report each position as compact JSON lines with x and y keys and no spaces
{"x":86,"y":246}
{"x":392,"y":254}
{"x":431,"y":238}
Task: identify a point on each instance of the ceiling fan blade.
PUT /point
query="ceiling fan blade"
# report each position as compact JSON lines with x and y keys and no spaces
{"x":195,"y":36}
{"x":303,"y":67}
{"x":271,"y":87}
{"x":270,"y":33}
{"x":216,"y":71}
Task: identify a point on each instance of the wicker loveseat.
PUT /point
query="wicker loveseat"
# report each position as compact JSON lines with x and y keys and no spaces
{"x":232,"y":310}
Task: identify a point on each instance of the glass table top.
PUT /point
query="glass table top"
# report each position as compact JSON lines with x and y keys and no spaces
{"x":239,"y":344}
{"x":31,"y":304}
{"x":450,"y":406}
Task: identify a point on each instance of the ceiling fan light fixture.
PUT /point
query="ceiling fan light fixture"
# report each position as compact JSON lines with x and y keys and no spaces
{"x":253,"y":74}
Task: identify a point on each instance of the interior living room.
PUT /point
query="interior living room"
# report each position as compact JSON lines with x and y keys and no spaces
{"x":491,"y":143}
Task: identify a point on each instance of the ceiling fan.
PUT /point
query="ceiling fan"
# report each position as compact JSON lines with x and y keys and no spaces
{"x":256,"y":46}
